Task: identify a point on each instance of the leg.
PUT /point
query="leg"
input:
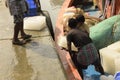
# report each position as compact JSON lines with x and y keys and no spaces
{"x":80,"y":71}
{"x":16,"y":32}
{"x":17,"y":26}
{"x":99,"y":67}
{"x":23,"y":34}
{"x":78,"y":66}
{"x":21,"y":29}
{"x":16,"y":41}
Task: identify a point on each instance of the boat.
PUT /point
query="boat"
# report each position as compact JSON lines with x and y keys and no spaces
{"x":66,"y":60}
{"x":69,"y":67}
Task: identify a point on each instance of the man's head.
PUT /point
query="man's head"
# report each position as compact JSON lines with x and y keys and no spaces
{"x":80,"y":18}
{"x":72,"y":23}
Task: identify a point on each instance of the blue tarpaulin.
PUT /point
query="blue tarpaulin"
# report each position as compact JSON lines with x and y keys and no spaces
{"x":32,"y":8}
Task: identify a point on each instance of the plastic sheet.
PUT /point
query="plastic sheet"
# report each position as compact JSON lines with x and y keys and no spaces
{"x":106,"y":32}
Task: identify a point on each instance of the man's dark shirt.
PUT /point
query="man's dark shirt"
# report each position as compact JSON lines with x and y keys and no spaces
{"x":78,"y":37}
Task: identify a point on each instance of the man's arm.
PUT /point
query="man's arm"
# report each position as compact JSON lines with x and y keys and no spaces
{"x":69,"y":47}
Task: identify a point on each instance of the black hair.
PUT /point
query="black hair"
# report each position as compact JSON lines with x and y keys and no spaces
{"x":80,"y":18}
{"x":72,"y":23}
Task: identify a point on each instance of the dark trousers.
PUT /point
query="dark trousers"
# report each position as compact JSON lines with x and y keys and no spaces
{"x":79,"y":67}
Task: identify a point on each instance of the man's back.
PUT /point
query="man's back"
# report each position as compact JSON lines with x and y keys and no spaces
{"x":78,"y":37}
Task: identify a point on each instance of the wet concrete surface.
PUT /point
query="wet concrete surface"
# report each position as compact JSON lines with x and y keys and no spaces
{"x":36,"y":60}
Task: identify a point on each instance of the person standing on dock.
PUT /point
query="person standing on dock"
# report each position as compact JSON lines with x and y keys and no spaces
{"x":17,"y":9}
{"x":87,"y":53}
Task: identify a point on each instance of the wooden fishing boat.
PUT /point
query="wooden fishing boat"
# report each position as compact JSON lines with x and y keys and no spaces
{"x":69,"y":67}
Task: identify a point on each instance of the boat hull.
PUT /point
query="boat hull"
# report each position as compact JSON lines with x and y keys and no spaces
{"x":69,"y":67}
